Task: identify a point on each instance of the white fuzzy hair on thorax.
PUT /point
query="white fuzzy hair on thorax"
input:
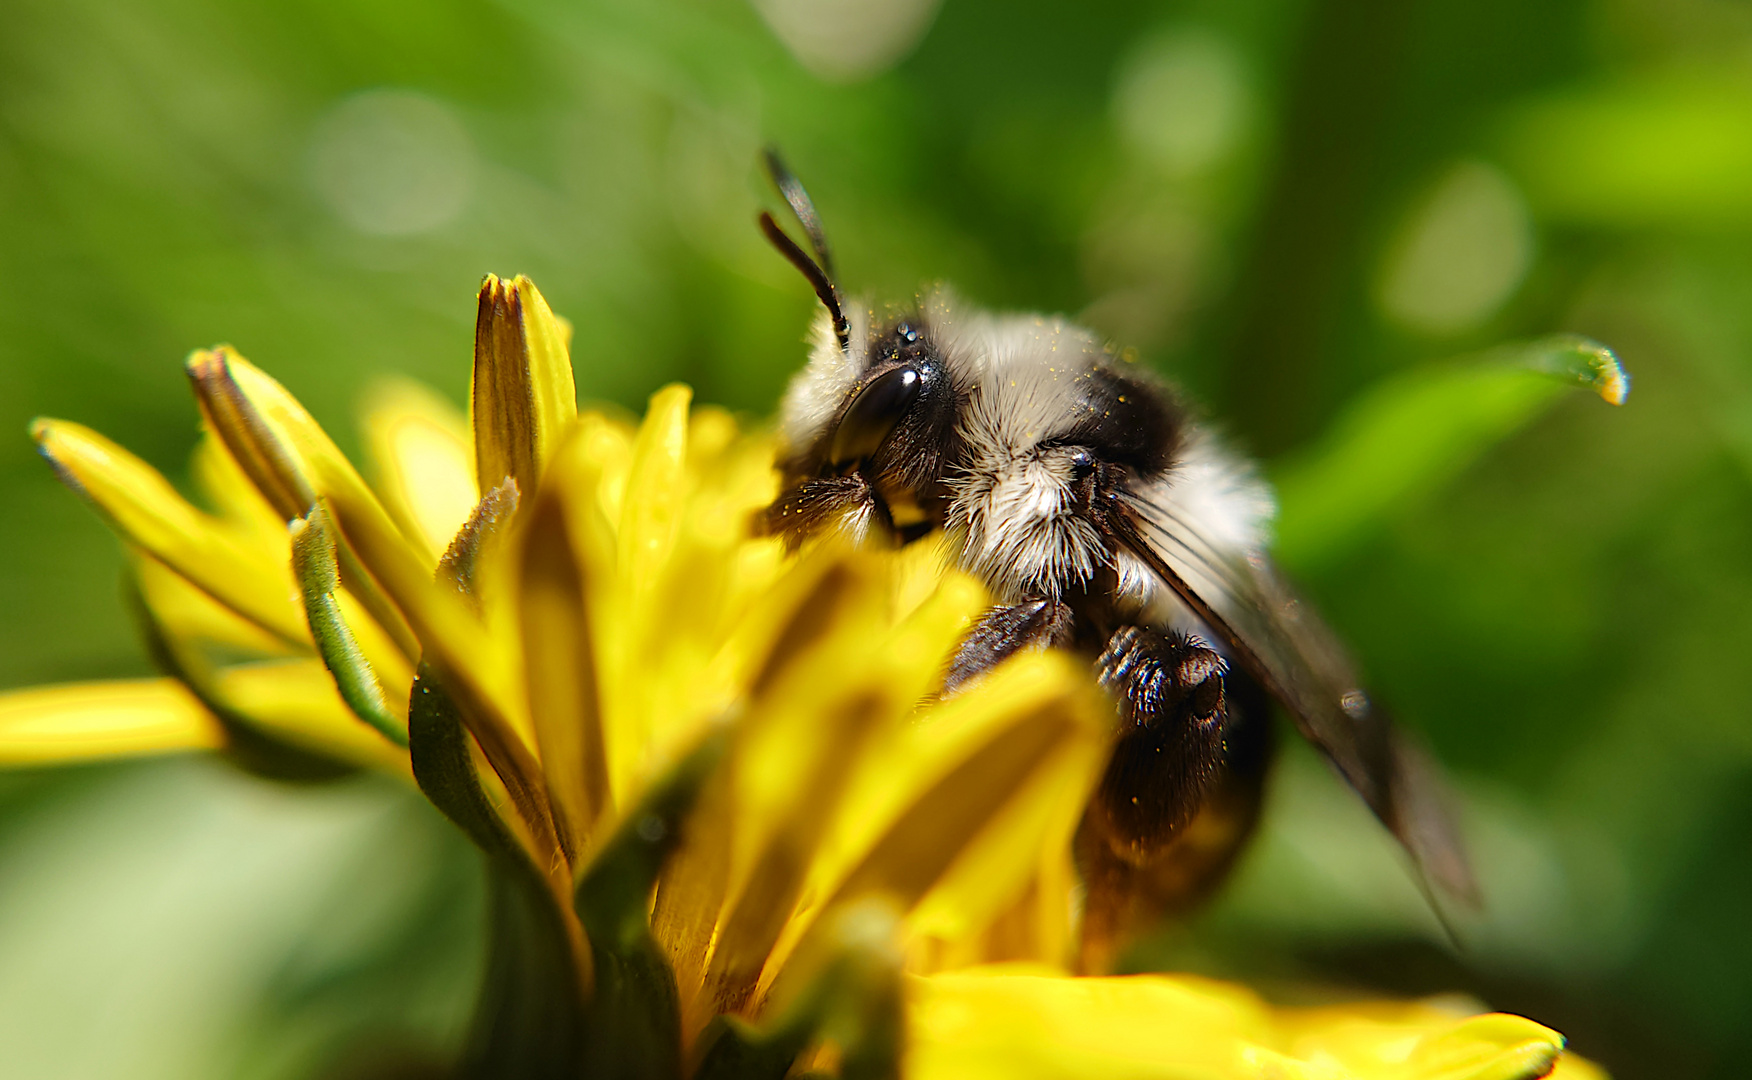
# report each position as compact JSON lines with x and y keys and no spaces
{"x":1213,"y":493}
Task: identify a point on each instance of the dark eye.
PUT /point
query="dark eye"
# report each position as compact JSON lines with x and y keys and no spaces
{"x":873,"y":413}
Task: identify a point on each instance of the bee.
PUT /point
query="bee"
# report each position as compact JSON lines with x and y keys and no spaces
{"x":1105,"y":519}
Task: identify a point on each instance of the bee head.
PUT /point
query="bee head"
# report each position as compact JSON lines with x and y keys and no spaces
{"x":871,"y":419}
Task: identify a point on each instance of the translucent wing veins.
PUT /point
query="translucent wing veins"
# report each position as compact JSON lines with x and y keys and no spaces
{"x":1269,"y":631}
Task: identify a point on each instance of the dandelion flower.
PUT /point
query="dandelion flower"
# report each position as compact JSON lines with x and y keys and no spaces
{"x":724,"y":836}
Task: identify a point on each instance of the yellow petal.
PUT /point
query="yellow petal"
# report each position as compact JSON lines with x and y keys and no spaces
{"x":647,"y":716}
{"x":522,"y":396}
{"x":1417,"y":1041}
{"x":827,"y":691}
{"x":142,"y":506}
{"x":296,"y":700}
{"x":737,"y":811}
{"x":806,"y":728}
{"x":190,"y":615}
{"x":425,"y":464}
{"x":920,"y":801}
{"x":560,"y":661}
{"x":80,"y":721}
{"x":962,"y":759}
{"x":1028,"y":833}
{"x":231,"y":493}
{"x":1495,"y":1046}
{"x":1021,"y":1023}
{"x":656,"y":484}
{"x":605,"y":444}
{"x":270,"y":460}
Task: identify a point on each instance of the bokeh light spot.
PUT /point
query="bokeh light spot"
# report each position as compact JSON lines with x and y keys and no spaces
{"x":1182,"y":101}
{"x":393,"y":162}
{"x":848,"y":40}
{"x":1460,"y":254}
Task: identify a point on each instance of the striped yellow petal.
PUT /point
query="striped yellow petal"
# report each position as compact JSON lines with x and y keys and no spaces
{"x":289,"y":458}
{"x":142,"y":506}
{"x":82,"y":721}
{"x":807,"y":727}
{"x":522,"y":396}
{"x":232,"y":495}
{"x":826,"y":694}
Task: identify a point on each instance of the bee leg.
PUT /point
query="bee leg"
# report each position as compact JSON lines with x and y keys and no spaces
{"x":1181,"y":792}
{"x":1169,"y":689}
{"x":812,"y":506}
{"x":1004,"y":631}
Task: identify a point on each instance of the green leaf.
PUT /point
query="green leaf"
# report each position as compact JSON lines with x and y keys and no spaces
{"x":1413,"y":432}
{"x":1667,"y":150}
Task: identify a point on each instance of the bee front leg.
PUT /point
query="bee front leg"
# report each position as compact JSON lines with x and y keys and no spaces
{"x":813,"y":506}
{"x":1003,"y":632}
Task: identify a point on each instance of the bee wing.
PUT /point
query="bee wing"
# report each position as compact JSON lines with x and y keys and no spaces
{"x":1282,"y":642}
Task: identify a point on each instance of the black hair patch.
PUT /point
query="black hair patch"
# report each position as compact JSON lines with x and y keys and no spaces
{"x":1125,"y":420}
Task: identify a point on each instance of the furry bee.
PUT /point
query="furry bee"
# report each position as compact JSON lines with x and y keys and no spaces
{"x":1105,"y":520}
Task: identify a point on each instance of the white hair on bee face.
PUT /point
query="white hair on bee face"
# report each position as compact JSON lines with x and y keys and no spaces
{"x":1011,"y":515}
{"x":815,"y":393}
{"x":1013,"y":525}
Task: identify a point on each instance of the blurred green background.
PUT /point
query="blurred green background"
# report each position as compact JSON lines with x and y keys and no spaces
{"x":1281,"y":203}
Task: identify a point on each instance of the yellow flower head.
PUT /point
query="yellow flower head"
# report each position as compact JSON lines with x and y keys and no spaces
{"x":726,"y":839}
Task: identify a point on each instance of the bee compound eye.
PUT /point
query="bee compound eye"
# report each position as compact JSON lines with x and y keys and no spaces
{"x":878,"y":406}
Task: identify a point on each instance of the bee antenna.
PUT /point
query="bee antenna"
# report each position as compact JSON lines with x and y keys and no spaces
{"x":801,"y":205}
{"x":812,"y":271}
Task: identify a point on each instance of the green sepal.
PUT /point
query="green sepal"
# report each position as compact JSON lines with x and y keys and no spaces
{"x":529,"y":1019}
{"x":854,"y":1001}
{"x":634,"y":1018}
{"x":738,"y":1050}
{"x":247,"y":745}
{"x":313,"y":563}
